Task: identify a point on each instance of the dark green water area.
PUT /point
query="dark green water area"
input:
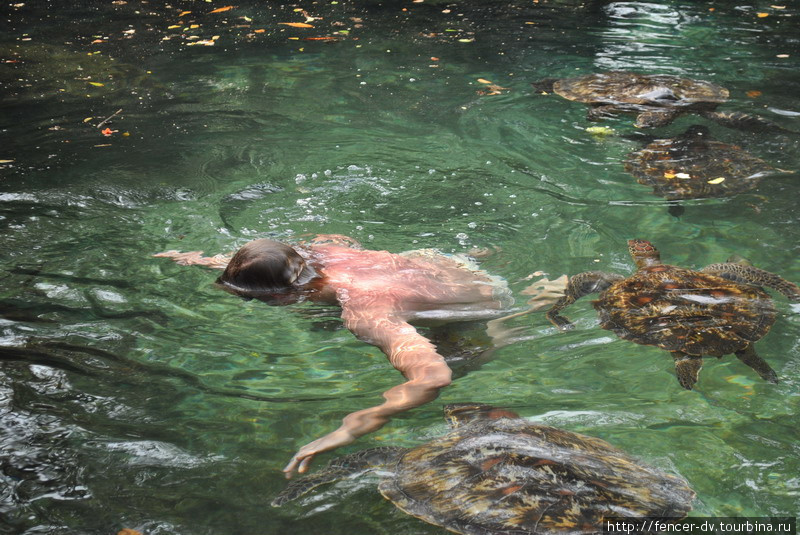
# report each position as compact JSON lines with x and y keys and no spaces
{"x":134,"y":394}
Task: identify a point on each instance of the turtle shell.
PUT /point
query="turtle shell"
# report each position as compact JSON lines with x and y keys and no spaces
{"x":692,"y":166}
{"x":511,"y":476}
{"x":684,"y":310}
{"x":620,"y":87}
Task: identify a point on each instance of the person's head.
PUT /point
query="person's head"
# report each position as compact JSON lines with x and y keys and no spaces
{"x":267,"y":270}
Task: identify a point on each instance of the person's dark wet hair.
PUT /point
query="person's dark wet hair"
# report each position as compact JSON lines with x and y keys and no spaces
{"x":266,"y":270}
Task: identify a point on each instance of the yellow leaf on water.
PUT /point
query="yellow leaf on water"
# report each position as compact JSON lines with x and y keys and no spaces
{"x":221,"y":9}
{"x":173,"y":26}
{"x":762,"y":15}
{"x":484,"y":81}
{"x":717,"y":180}
{"x":667,"y":174}
{"x":600,"y":130}
{"x":97,"y":84}
{"x":184,"y":13}
{"x":6,"y":161}
{"x":297,"y":24}
{"x":193,"y":26}
{"x":88,"y":119}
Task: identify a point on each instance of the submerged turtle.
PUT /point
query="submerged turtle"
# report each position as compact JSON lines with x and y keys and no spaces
{"x":718,"y":310}
{"x":498,"y":473}
{"x":657,"y":99}
{"x":694,"y":166}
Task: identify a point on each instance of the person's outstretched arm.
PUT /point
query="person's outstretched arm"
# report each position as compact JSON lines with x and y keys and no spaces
{"x":196,"y":258}
{"x":408,"y":351}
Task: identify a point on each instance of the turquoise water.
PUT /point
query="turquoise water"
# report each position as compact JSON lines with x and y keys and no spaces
{"x":134,"y":394}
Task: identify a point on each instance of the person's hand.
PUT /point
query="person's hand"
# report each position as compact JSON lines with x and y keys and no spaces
{"x":196,"y":258}
{"x":302,"y":459}
{"x":183,"y":259}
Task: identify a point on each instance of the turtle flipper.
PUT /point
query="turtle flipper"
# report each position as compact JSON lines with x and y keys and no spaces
{"x":600,"y":112}
{"x":339,"y":468}
{"x":687,"y":368}
{"x":749,"y":356}
{"x":579,"y":285}
{"x":656,"y":118}
{"x":746,"y":274}
{"x":743,"y":121}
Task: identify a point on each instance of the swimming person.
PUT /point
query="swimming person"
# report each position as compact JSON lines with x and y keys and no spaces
{"x":380,"y":294}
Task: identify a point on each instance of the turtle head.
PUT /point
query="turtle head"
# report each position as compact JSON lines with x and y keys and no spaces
{"x":643,"y":253}
{"x":458,"y":414}
{"x":544,"y":86}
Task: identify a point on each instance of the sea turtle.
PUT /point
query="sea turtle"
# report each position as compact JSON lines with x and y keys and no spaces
{"x":695,"y":166}
{"x":657,"y":99}
{"x":497,"y":473}
{"x":718,"y":310}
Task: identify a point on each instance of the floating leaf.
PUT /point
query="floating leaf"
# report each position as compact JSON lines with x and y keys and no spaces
{"x":762,"y":15}
{"x":754,"y":93}
{"x":173,"y":26}
{"x":600,"y":130}
{"x":6,"y":161}
{"x":484,"y":81}
{"x":668,"y":174}
{"x":88,"y":119}
{"x":260,"y":30}
{"x":465,"y":40}
{"x":717,"y":180}
{"x":96,"y":84}
{"x":107,"y":132}
{"x":221,"y":9}
{"x":184,"y":13}
{"x":297,"y":24}
{"x":683,"y":175}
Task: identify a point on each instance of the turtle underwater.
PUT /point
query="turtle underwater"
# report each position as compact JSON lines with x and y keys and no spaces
{"x":718,"y":310}
{"x":695,"y":166}
{"x":497,"y":473}
{"x":656,"y":99}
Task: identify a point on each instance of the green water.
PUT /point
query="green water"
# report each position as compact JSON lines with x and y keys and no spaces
{"x":133,"y":394}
